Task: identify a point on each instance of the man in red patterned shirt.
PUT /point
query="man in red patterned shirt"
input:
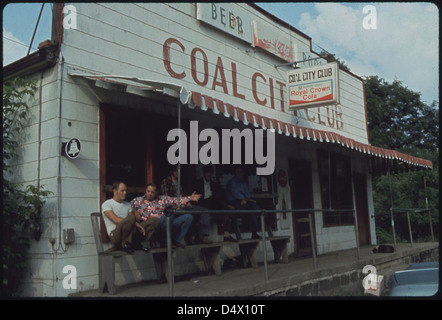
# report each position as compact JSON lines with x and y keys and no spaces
{"x":152,"y":205}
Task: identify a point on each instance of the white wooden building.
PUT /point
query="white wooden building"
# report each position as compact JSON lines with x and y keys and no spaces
{"x":114,"y":75}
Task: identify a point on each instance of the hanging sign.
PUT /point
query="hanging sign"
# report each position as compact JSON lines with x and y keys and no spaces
{"x":71,"y":149}
{"x":312,"y":87}
{"x":226,"y":17}
{"x":274,"y":42}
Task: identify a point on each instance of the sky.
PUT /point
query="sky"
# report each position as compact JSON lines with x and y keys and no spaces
{"x":393,"y":40}
{"x":402,"y":43}
{"x":19,"y":21}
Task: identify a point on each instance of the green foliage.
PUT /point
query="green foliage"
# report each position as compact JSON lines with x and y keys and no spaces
{"x":15,"y":115}
{"x":21,"y":205}
{"x":399,"y":120}
{"x":332,"y":58}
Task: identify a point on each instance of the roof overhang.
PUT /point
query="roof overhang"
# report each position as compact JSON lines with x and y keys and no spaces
{"x":136,"y":86}
{"x":45,"y":57}
{"x":193,"y":99}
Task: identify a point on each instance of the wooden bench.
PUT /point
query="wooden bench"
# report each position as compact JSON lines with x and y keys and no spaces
{"x":106,"y":258}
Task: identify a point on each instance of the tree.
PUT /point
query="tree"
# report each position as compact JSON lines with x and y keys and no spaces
{"x":21,"y":205}
{"x":332,"y":58}
{"x":399,"y":120}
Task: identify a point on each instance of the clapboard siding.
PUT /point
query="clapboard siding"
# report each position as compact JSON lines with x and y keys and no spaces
{"x":127,"y":39}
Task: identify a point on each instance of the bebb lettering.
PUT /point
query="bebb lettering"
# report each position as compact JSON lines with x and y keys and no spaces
{"x":227,"y":18}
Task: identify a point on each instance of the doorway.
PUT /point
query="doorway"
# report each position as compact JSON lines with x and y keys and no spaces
{"x":300,"y":178}
{"x":361,"y":206}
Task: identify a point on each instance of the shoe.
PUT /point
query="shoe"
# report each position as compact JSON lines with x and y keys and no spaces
{"x":200,"y":239}
{"x":178,"y":244}
{"x":256,"y":236}
{"x":128,"y":248}
{"x":142,"y":248}
{"x":230,"y":239}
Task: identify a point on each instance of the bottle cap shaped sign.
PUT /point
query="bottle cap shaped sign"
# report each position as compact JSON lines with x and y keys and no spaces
{"x":72,"y":148}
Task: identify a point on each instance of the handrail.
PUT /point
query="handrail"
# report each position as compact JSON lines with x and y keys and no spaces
{"x":417,"y":210}
{"x":407,"y":212}
{"x":178,"y":211}
{"x":168,"y":212}
{"x":399,"y":210}
{"x":402,"y":211}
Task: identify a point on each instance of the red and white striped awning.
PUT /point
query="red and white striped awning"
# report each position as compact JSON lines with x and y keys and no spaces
{"x":206,"y":102}
{"x":194,"y":99}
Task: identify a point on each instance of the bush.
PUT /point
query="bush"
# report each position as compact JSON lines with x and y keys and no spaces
{"x":21,"y":205}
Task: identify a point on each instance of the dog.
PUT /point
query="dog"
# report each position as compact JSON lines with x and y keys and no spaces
{"x":383,"y":248}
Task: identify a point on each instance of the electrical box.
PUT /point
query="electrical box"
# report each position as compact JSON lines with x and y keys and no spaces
{"x":68,"y":236}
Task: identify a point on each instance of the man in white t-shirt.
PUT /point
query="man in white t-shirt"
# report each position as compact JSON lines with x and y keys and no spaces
{"x":122,"y":221}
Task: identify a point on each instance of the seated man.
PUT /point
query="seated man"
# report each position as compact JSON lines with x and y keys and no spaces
{"x":213,"y":199}
{"x":152,"y":206}
{"x":169,"y":187}
{"x":122,"y":222}
{"x":238,"y":196}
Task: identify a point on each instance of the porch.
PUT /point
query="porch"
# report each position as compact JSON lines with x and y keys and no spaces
{"x":297,"y":278}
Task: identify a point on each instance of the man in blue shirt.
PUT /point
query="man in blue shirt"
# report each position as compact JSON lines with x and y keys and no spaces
{"x":238,"y":196}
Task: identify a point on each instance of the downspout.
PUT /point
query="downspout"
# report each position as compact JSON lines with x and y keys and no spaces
{"x":37,"y":227}
{"x":57,"y":36}
{"x":60,"y":77}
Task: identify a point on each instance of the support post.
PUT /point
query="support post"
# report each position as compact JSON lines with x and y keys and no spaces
{"x":263,"y":230}
{"x":391,"y":208}
{"x":169,"y":255}
{"x":310,"y":223}
{"x":355,"y":217}
{"x":409,"y":227}
{"x":431,"y":225}
{"x":426,"y":206}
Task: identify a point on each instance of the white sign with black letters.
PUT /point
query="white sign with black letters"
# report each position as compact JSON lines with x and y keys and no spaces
{"x":226,"y":17}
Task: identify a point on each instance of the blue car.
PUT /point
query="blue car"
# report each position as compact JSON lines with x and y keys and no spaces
{"x":418,"y":280}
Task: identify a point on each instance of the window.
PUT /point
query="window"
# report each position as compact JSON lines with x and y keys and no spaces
{"x":336,"y":188}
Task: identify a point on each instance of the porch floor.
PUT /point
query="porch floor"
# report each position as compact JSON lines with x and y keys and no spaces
{"x":244,"y":282}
